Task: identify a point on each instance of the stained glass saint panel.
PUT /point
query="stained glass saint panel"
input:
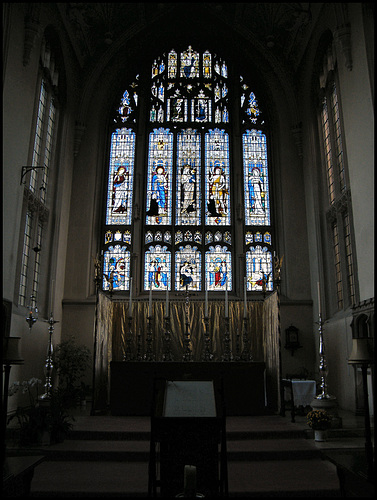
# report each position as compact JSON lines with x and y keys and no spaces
{"x":157,"y":268}
{"x":116,"y":269}
{"x":188,"y":197}
{"x":218,"y":266}
{"x":189,"y":64}
{"x":259,"y":268}
{"x":188,"y":268}
{"x":217,"y":190}
{"x":257,"y":197}
{"x":159,"y":182}
{"x":120,"y":181}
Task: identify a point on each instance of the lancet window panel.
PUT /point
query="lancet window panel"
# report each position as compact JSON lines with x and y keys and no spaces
{"x":188,"y":197}
{"x":188,"y":268}
{"x":159,"y":180}
{"x":120,"y":180}
{"x":217,"y":187}
{"x":116,"y":268}
{"x":259,"y":268}
{"x":218,"y":268}
{"x":157,"y":268}
{"x":257,"y":197}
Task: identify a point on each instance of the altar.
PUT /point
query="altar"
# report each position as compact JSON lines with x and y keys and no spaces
{"x":134,"y":347}
{"x":131,"y":384}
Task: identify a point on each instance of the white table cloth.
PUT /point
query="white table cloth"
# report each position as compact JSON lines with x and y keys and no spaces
{"x":304,"y":391}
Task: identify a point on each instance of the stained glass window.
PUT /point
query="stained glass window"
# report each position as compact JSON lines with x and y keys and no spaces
{"x":188,"y":199}
{"x":257,"y":198}
{"x":218,"y":274}
{"x":159,"y":180}
{"x":120,"y":180}
{"x":187,"y":176}
{"x":157,"y":272}
{"x":259,"y":268}
{"x":217,"y":188}
{"x":116,"y":269}
{"x":188,"y":268}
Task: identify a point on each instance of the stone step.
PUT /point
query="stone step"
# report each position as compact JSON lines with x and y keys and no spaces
{"x":290,"y":478}
{"x":136,"y":450}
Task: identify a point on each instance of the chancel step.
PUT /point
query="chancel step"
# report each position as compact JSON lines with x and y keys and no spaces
{"x":267,"y":456}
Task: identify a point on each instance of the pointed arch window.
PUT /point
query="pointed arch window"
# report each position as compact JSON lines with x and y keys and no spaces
{"x":188,"y":215}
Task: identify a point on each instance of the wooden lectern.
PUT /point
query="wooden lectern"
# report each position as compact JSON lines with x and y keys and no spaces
{"x":188,"y":428}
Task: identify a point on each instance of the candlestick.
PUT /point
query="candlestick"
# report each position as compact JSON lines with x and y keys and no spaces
{"x":167,"y":302}
{"x":150,"y":299}
{"x":226,"y":300}
{"x":130,"y":305}
{"x":206,"y":303}
{"x":244,"y":298}
{"x":319,"y":298}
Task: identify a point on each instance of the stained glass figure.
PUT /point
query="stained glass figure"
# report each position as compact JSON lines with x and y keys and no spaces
{"x":218,"y":264}
{"x":120,"y":181}
{"x":217,"y":178}
{"x":125,"y":108}
{"x":159,"y":182}
{"x":257,"y":198}
{"x":189,"y":64}
{"x":201,"y":108}
{"x":188,"y":199}
{"x":207,"y":68}
{"x":177,"y":109}
{"x":188,"y":268}
{"x":157,"y":265}
{"x":116,"y":269}
{"x":172,"y":64}
{"x":259,"y":268}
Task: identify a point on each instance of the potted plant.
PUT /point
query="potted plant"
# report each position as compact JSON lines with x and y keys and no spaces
{"x":320,"y":422}
{"x":71,"y":362}
{"x":40,"y":423}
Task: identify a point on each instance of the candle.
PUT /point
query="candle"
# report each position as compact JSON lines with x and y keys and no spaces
{"x":244,"y":298}
{"x":189,"y":483}
{"x":319,"y":298}
{"x":206,"y":303}
{"x":52,"y":295}
{"x":150,"y":299}
{"x":130,"y":306}
{"x":226,"y":299}
{"x":167,"y":302}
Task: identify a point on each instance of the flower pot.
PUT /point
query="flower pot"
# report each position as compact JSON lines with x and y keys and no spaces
{"x":320,"y":435}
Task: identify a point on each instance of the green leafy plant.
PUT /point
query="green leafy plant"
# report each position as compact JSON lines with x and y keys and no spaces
{"x":36,"y":418}
{"x":318,"y":420}
{"x":71,"y":362}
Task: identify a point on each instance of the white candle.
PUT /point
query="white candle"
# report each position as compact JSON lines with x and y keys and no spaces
{"x":150,"y":299}
{"x":167,"y":302}
{"x":189,"y":483}
{"x":244,"y":298}
{"x":226,"y":300}
{"x":52,"y":295}
{"x":206,"y":304}
{"x":130,"y":306}
{"x":319,"y":298}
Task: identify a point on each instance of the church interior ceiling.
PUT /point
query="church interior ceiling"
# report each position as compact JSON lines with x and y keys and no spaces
{"x":282,"y":28}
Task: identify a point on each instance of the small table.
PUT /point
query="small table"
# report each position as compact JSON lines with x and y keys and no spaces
{"x":302,"y":394}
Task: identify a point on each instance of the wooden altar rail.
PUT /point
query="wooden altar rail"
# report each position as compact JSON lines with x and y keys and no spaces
{"x":132,"y":382}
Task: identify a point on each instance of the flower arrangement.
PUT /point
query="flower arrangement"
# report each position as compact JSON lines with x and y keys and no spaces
{"x":318,"y":420}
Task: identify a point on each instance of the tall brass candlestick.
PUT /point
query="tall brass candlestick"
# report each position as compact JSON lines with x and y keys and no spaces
{"x":49,"y":362}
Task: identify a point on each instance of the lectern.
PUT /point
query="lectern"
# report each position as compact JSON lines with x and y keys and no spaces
{"x":188,"y":427}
